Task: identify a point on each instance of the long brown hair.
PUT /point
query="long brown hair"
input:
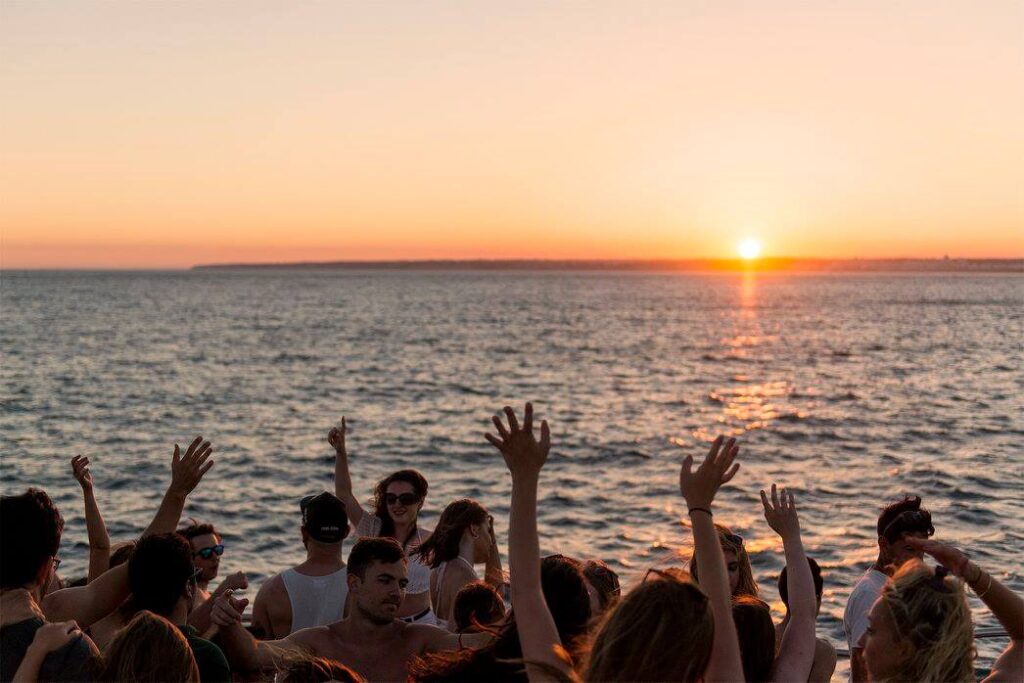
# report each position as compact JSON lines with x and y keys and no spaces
{"x":380,"y":501}
{"x":149,"y":649}
{"x":727,"y":539}
{"x":443,"y":544}
{"x":662,"y":630}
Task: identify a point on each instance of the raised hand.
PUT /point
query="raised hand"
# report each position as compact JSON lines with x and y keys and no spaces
{"x":236,"y":581}
{"x":949,"y":557}
{"x":56,"y":635}
{"x":80,"y":469}
{"x":699,"y":487}
{"x":780,"y":513}
{"x":228,"y":610}
{"x":188,"y":471}
{"x":336,"y":437}
{"x":522,"y":452}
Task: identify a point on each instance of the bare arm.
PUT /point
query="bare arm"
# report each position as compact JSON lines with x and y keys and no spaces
{"x":99,"y":540}
{"x":245,"y":653}
{"x":524,"y":457}
{"x":200,"y":616}
{"x":796,"y":652}
{"x":699,"y":489}
{"x":186,"y":473}
{"x":342,"y":477}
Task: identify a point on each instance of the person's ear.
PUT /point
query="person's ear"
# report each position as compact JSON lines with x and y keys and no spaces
{"x":353,"y":582}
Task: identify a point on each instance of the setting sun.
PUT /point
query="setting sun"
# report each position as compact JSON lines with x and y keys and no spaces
{"x":749,"y":248}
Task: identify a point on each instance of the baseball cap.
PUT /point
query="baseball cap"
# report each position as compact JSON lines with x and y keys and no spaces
{"x":324,"y":517}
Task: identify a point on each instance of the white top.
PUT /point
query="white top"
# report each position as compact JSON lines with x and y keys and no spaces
{"x":316,"y":600}
{"x":863,"y":596}
{"x":419,"y":574}
{"x":443,"y":623}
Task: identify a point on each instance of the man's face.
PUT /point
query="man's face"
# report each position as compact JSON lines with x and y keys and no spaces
{"x":208,"y":565}
{"x":899,"y":551}
{"x":379,"y":595}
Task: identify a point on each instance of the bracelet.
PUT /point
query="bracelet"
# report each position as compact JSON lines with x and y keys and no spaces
{"x":692,"y":510}
{"x":987,"y":588}
{"x":977,"y":573}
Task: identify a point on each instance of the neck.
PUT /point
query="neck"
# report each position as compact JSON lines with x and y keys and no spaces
{"x":358,"y":623}
{"x":402,"y":530}
{"x":880,"y":564}
{"x":18,"y":604}
{"x":203,"y":585}
{"x":466,"y":548}
{"x":324,"y":556}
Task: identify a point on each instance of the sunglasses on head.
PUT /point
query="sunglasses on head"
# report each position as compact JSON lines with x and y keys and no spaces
{"x":910,"y":521}
{"x":609,"y":575}
{"x":207,"y":553}
{"x":735,"y":539}
{"x":403,"y":498}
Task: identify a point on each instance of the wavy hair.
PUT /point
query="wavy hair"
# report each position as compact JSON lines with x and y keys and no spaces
{"x":443,"y":544}
{"x":149,"y":648}
{"x":929,"y":608}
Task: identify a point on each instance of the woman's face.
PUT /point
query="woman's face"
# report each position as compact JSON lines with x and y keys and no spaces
{"x":732,"y":565}
{"x":883,"y":648}
{"x":402,"y":502}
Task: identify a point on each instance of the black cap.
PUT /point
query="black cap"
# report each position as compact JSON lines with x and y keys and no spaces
{"x":324,"y":517}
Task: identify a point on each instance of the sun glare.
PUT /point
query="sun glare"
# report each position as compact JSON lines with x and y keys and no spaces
{"x":749,"y":248}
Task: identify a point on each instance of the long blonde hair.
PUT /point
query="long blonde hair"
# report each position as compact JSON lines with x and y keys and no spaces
{"x":662,"y":630}
{"x":929,"y":608}
{"x":149,"y":649}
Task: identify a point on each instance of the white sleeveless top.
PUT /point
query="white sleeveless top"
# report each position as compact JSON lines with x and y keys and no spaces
{"x":419,"y":574}
{"x":316,"y":600}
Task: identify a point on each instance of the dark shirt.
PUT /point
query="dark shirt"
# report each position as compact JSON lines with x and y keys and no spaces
{"x":68,"y":663}
{"x":213,"y":665}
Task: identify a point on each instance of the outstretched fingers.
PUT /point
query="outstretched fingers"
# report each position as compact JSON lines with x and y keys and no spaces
{"x":500,"y":427}
{"x":495,"y":441}
{"x":513,"y":422}
{"x":528,"y":418}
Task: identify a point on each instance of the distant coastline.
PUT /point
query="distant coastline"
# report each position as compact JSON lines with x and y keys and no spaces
{"x":908,"y":265}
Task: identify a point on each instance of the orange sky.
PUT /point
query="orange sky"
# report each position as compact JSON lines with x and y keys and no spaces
{"x":167,"y":134}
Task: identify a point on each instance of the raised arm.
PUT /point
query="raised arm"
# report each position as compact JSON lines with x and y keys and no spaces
{"x":342,"y":477}
{"x":524,"y":457}
{"x":1005,"y":605}
{"x":186,"y":473}
{"x":699,"y":488}
{"x":99,"y":540}
{"x":796,"y":652}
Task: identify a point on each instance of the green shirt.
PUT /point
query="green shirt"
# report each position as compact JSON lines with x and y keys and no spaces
{"x":213,"y":665}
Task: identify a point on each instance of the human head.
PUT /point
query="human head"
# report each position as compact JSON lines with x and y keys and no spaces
{"x":756,"y":632}
{"x":477,"y":605}
{"x":737,"y":563}
{"x":896,"y":522}
{"x":920,"y":628}
{"x":461,"y":519}
{"x":32,"y":527}
{"x":160,"y":573}
{"x":302,"y":668}
{"x":377,"y":577}
{"x":205,"y":543}
{"x":602,"y":586}
{"x":819,"y":583}
{"x":400,"y":486}
{"x":662,"y":630}
{"x":324,"y":521}
{"x":149,"y":649}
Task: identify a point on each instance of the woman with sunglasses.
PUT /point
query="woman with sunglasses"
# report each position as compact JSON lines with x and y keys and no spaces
{"x":397,"y":500}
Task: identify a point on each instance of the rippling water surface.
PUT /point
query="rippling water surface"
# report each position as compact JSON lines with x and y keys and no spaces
{"x":850,"y":389}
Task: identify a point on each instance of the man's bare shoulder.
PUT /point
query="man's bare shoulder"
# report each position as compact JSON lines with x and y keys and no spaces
{"x":272,"y":587}
{"x":313,"y":637}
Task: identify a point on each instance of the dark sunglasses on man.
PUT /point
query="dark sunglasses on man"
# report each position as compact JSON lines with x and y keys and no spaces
{"x":403,"y":498}
{"x":207,"y":553}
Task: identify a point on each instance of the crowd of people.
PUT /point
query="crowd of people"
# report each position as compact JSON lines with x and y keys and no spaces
{"x":409,"y":604}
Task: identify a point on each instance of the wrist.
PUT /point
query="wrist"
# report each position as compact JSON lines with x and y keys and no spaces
{"x":700,"y":509}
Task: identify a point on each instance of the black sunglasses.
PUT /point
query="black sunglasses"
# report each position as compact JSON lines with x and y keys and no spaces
{"x":207,"y":553}
{"x":735,"y":539}
{"x":403,"y":498}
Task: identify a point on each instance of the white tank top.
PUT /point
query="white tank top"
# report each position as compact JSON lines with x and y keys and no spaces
{"x":316,"y":600}
{"x":419,"y":574}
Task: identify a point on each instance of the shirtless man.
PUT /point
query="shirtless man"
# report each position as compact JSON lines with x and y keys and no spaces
{"x":370,"y":640}
{"x":312,"y":593}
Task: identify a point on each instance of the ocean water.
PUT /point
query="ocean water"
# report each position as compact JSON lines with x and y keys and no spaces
{"x":850,"y":389}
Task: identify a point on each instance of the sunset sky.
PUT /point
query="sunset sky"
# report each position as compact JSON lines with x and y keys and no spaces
{"x":161,"y":134}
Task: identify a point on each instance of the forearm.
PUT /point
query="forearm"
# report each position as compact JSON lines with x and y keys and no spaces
{"x":28,"y":670}
{"x":493,"y":573}
{"x":343,"y":486}
{"x":90,"y":603}
{"x":1005,"y":605}
{"x":168,"y":515}
{"x":99,"y":540}
{"x":796,"y":651}
{"x":725,"y":662}
{"x":241,"y":650}
{"x":524,"y":546}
